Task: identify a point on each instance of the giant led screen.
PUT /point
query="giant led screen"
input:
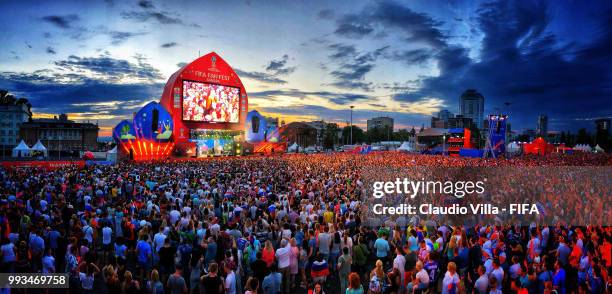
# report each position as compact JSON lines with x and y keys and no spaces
{"x":205,"y":102}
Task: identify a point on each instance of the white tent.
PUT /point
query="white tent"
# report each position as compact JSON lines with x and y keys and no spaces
{"x":513,"y":147}
{"x":405,"y":147}
{"x":293,"y":148}
{"x":598,"y":149}
{"x":39,"y":147}
{"x":111,"y":155}
{"x":21,"y":150}
{"x":583,"y":147}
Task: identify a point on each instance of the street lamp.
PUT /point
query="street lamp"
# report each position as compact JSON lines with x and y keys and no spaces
{"x":444,"y":144}
{"x":352,"y":124}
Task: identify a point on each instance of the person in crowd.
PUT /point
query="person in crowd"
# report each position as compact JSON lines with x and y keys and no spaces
{"x":252,"y":286}
{"x":354,"y":286}
{"x":378,"y":279}
{"x":345,"y":261}
{"x":176,"y":283}
{"x":154,"y":285}
{"x":272,"y":283}
{"x":129,"y":285}
{"x":451,"y":281}
{"x":211,"y":283}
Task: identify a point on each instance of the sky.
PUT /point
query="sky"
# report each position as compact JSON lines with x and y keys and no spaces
{"x":309,"y":60}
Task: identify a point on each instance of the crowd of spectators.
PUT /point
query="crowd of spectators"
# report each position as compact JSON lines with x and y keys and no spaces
{"x":282,"y":224}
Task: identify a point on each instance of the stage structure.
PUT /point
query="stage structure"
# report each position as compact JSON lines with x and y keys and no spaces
{"x":263,"y":138}
{"x":496,"y":136}
{"x":202,"y":112}
{"x":459,"y":138}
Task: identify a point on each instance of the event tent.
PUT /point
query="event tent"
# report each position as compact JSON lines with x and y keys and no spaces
{"x":583,"y":147}
{"x":293,"y":148}
{"x":111,"y":155}
{"x":21,"y":150}
{"x":538,"y":146}
{"x":599,"y":149}
{"x":39,"y":147}
{"x":405,"y":147}
{"x":513,"y":147}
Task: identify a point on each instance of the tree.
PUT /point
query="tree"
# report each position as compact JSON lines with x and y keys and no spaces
{"x":602,"y":139}
{"x":358,"y":135}
{"x":373,"y":135}
{"x":330,"y":135}
{"x":476,"y":137}
{"x":401,"y":135}
{"x":583,"y":137}
{"x":563,"y":138}
{"x":7,"y":98}
{"x":522,"y":138}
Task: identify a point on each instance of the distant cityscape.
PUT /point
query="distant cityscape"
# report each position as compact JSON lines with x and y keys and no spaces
{"x":66,"y":137}
{"x":61,"y":136}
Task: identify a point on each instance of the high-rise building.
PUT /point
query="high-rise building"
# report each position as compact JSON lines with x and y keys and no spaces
{"x":471,"y":105}
{"x":542,"y":125}
{"x":444,"y":115}
{"x":380,"y":123}
{"x":441,"y":120}
{"x":602,"y":125}
{"x":13,"y":112}
{"x":438,"y":123}
{"x":459,"y":122}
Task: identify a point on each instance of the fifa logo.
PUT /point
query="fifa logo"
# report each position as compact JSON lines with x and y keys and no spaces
{"x":213,"y":64}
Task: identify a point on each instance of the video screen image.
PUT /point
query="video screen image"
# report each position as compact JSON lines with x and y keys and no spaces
{"x":210,"y":103}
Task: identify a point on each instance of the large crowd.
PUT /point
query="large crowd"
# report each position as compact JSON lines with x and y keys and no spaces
{"x":280,"y":224}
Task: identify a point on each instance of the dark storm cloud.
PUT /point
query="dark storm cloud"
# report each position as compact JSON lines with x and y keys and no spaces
{"x":417,"y":27}
{"x":148,"y":13}
{"x":110,"y":68}
{"x":279,"y":66}
{"x":351,"y":66}
{"x":326,"y":14}
{"x":118,"y":37}
{"x":410,"y":57}
{"x":81,"y":95}
{"x":353,"y":26}
{"x":146,"y":4}
{"x":334,"y":97}
{"x":50,"y":50}
{"x":412,"y":25}
{"x":143,"y":16}
{"x":169,"y":45}
{"x":340,"y":51}
{"x":61,"y":21}
{"x":521,"y":62}
{"x":181,"y":64}
{"x":260,"y":76}
{"x":273,"y":71}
